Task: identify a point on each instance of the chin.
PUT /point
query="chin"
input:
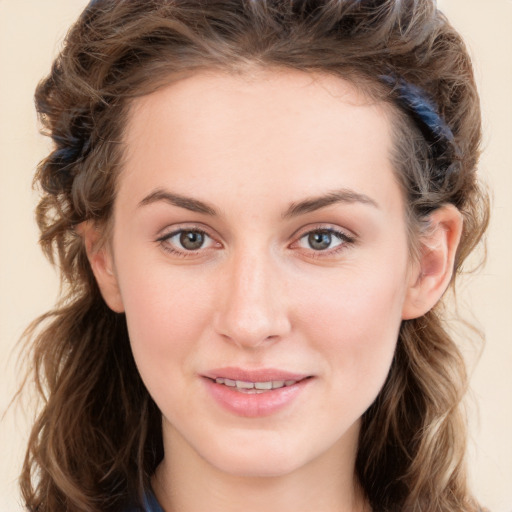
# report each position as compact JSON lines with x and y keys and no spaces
{"x":255,"y":460}
{"x":264,"y":467}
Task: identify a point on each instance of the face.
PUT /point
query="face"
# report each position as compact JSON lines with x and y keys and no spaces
{"x":260,"y":253}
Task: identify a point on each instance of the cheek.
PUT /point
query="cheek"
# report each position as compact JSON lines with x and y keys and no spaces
{"x":167,"y":318}
{"x":354,"y":320}
{"x":165,"y":312}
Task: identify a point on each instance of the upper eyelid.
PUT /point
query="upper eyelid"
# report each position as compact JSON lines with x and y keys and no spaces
{"x":342,"y":237}
{"x":346,"y":237}
{"x":339,"y":234}
{"x":174,"y":232}
{"x":165,"y":242}
{"x":170,"y":231}
{"x":165,"y":235}
{"x":312,"y":228}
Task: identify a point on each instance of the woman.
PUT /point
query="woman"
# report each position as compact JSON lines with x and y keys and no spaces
{"x":256,"y":208}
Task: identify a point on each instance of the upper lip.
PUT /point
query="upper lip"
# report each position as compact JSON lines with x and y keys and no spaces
{"x":256,"y":375}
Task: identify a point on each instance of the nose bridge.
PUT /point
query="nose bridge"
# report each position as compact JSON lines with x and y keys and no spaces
{"x":253,"y":309}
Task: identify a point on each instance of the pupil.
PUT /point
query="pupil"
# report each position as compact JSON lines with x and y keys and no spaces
{"x":191,"y":240}
{"x":320,"y":240}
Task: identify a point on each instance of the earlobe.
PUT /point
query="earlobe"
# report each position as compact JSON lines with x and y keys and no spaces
{"x":102,"y":265}
{"x":434,"y":270}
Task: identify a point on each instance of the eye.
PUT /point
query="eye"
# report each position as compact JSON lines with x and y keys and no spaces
{"x":323,"y":240}
{"x":186,"y":240}
{"x":191,"y":240}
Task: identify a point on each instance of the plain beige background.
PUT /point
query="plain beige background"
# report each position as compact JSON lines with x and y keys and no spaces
{"x":30,"y":35}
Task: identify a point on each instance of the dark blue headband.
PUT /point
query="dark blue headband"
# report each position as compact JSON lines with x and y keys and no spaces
{"x":424,"y":112}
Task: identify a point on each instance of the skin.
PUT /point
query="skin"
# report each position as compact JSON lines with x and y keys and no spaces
{"x":257,"y":294}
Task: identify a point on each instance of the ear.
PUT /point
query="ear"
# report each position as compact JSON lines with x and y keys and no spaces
{"x":433,"y":272}
{"x":101,"y":261}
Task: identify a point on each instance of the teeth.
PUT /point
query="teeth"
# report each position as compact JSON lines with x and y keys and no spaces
{"x":260,"y":386}
{"x":263,"y":385}
{"x":240,"y":384}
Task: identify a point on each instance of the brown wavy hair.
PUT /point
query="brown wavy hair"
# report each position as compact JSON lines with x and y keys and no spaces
{"x":97,"y":439}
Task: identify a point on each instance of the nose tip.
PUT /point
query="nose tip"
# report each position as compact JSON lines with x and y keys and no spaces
{"x":251,"y":328}
{"x":252,"y":309}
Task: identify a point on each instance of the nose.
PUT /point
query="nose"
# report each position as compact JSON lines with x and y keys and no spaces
{"x":252,"y":307}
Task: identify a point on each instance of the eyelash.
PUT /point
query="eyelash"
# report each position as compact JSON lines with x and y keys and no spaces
{"x":164,"y":241}
{"x":345,"y":242}
{"x":344,"y":239}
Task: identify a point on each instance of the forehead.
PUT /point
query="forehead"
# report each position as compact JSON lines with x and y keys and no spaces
{"x":261,"y":132}
{"x":275,"y":93}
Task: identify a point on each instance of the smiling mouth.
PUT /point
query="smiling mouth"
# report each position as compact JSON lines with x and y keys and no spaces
{"x":254,"y":387}
{"x":255,"y":393}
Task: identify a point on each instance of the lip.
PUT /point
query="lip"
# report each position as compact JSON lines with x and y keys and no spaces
{"x":255,"y":405}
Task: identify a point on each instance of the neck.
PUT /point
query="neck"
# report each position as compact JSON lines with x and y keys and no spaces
{"x":186,"y":482}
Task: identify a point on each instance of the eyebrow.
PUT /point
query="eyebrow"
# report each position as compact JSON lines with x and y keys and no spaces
{"x":188,"y":203}
{"x":312,"y":204}
{"x":294,"y":210}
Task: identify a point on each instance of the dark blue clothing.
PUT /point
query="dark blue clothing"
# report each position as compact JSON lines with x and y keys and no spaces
{"x":150,"y":504}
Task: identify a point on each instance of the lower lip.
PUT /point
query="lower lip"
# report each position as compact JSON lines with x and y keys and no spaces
{"x":257,"y":404}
